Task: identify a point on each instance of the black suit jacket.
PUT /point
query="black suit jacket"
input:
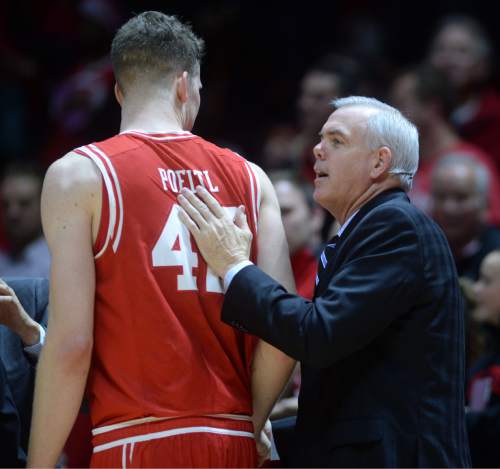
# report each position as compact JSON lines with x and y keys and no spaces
{"x":10,"y":454}
{"x":381,"y":344}
{"x":19,"y":376}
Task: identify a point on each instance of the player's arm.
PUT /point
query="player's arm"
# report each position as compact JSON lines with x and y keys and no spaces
{"x":271,"y":368}
{"x":70,"y":192}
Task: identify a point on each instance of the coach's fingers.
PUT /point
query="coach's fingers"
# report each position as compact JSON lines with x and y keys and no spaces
{"x":5,"y":290}
{"x":240,"y":218}
{"x":198,"y":204}
{"x":188,"y":222}
{"x":192,"y":210}
{"x":210,"y":201}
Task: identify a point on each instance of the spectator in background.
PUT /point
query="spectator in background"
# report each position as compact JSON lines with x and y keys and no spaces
{"x":302,"y":219}
{"x":463,"y":51}
{"x":23,"y":318}
{"x":459,"y":201}
{"x":424,"y":94}
{"x":82,"y":105}
{"x":483,"y":418}
{"x":332,"y":76}
{"x":19,"y":90}
{"x":23,"y":321}
{"x":27,"y":254}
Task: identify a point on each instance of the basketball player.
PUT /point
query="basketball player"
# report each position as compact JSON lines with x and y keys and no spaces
{"x":133,"y":306}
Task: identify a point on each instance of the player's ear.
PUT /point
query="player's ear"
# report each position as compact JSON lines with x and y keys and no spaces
{"x":182,"y":87}
{"x":118,"y":93}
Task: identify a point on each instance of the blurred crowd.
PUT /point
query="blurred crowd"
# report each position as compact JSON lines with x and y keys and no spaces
{"x":56,"y":89}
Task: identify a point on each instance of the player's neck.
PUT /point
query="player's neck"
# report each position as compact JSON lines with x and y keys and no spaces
{"x":149,"y":116}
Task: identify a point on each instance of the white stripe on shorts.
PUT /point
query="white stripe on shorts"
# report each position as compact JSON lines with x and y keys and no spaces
{"x":167,"y":433}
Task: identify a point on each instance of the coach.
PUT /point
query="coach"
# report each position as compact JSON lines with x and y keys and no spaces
{"x":381,"y":344}
{"x":23,"y":319}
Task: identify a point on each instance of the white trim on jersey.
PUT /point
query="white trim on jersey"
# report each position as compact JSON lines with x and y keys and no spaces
{"x":111,"y":196}
{"x":124,"y":456}
{"x":257,"y":190}
{"x":118,"y":193}
{"x":252,"y":190}
{"x":177,"y":136}
{"x":155,"y":132}
{"x":168,"y":433}
{"x":130,"y":423}
{"x":131,"y":452}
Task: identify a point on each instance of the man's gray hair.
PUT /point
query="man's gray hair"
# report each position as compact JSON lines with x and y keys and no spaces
{"x":481,"y":172}
{"x":391,"y":129}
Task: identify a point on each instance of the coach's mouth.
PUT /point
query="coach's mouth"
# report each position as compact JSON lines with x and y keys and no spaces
{"x":321,"y":174}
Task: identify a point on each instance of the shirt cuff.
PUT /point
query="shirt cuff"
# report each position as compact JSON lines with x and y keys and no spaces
{"x":228,"y":278}
{"x":34,"y":350}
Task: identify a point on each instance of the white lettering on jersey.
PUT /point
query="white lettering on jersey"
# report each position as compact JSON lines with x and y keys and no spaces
{"x":164,"y":178}
{"x":176,"y":180}
{"x":211,"y":188}
{"x":171,"y":180}
{"x":190,"y":177}
{"x":199,"y":174}
{"x":180,"y":173}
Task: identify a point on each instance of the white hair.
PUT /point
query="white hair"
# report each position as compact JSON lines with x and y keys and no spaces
{"x":391,"y":129}
{"x":481,"y":172}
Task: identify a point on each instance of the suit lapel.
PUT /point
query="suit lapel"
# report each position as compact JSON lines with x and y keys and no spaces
{"x":339,"y":254}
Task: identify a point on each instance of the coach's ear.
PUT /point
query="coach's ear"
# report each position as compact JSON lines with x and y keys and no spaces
{"x":118,"y":93}
{"x":182,"y":87}
{"x":381,"y":162}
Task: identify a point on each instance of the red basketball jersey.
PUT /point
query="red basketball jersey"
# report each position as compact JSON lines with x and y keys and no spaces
{"x":160,"y":348}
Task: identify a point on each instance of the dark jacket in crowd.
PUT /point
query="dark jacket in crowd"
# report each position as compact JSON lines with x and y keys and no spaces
{"x":484,"y":425}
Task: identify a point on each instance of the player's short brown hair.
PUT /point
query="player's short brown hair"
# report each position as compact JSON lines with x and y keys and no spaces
{"x":153,"y":45}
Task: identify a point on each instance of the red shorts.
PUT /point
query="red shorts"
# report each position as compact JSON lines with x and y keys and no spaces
{"x":186,"y":442}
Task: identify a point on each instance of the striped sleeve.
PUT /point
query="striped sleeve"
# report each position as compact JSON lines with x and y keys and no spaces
{"x":115,"y":200}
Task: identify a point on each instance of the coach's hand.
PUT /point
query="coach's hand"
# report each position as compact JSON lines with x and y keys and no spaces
{"x":222,"y":241}
{"x":13,"y":316}
{"x":263,"y":442}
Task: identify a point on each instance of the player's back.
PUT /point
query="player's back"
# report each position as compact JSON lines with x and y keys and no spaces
{"x":160,"y":349}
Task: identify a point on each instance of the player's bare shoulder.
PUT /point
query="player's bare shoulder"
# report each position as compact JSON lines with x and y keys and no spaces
{"x":73,"y":176}
{"x":72,"y":188}
{"x":73,"y":171}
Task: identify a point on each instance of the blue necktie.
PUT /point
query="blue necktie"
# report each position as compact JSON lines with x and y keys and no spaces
{"x":326,"y":256}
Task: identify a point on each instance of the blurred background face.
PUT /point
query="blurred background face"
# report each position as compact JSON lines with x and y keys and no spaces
{"x":20,"y":197}
{"x":456,"y":51}
{"x":314,"y":104}
{"x":456,"y":203}
{"x":295,"y":214}
{"x":487,"y":290}
{"x":404,"y":97}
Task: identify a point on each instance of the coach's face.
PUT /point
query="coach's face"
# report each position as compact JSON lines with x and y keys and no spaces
{"x":343,"y":160}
